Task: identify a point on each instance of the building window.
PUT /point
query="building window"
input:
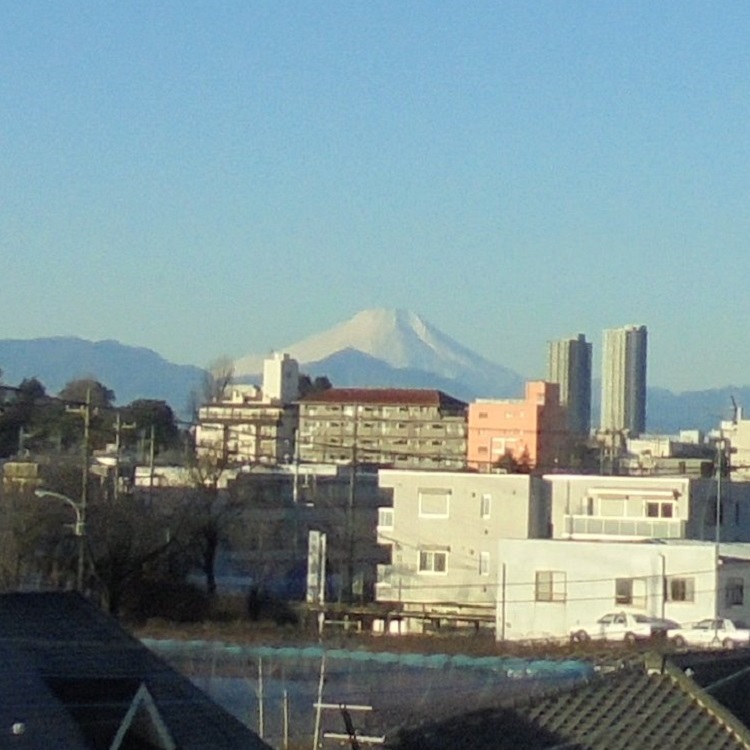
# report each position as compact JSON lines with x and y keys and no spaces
{"x":550,"y":586}
{"x":623,"y":591}
{"x":486,"y":506}
{"x":483,"y":415}
{"x":630,"y":591}
{"x":681,"y":589}
{"x":660,"y":510}
{"x":484,"y":563}
{"x":433,"y":561}
{"x":734,"y":593}
{"x":433,"y":503}
{"x":385,"y":518}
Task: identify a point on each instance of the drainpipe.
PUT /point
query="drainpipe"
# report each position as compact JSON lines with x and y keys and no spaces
{"x":663,"y":584}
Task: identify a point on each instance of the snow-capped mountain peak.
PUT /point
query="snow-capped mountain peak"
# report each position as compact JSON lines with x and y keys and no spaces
{"x":404,"y":341}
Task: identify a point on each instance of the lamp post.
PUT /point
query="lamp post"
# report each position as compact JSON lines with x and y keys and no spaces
{"x":79,"y":529}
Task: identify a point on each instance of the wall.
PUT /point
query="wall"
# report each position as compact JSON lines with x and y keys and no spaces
{"x":460,"y":516}
{"x":586,"y":575}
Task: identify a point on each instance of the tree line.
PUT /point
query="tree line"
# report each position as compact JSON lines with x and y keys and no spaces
{"x":139,"y":548}
{"x":32,"y":420}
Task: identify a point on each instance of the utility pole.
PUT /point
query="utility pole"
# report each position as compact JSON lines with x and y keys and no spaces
{"x":84,"y":411}
{"x":717,"y":531}
{"x":119,"y":426}
{"x":349,"y":591}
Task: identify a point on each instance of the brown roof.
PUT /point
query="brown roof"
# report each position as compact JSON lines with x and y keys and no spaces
{"x":406,"y":396}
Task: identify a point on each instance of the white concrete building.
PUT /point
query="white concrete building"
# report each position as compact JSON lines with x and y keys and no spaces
{"x":635,"y":508}
{"x":737,"y":433}
{"x":548,"y":587}
{"x":443,"y":529}
{"x":254,"y":425}
{"x":446,"y":531}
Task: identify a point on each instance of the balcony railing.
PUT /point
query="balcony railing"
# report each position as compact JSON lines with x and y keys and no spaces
{"x":631,"y":528}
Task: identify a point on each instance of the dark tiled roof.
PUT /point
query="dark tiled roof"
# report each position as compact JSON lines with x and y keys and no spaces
{"x":56,"y":649}
{"x":625,"y":710}
{"x":387,"y":396}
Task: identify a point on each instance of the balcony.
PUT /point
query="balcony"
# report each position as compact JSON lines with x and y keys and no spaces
{"x":597,"y":527}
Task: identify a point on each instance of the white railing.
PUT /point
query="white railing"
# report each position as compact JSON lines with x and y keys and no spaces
{"x":631,"y":528}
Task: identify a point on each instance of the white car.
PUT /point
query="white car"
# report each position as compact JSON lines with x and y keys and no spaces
{"x":615,"y":626}
{"x":718,"y":632}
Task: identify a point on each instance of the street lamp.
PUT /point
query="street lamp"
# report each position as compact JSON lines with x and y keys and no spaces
{"x":79,"y":529}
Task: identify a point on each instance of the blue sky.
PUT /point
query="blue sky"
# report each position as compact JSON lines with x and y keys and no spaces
{"x":224,"y":178}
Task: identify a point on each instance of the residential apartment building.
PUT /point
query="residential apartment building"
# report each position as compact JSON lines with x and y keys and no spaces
{"x":251,"y":424}
{"x":448,"y":533}
{"x":687,"y":454}
{"x":531,"y":432}
{"x":736,"y":435}
{"x":399,"y":427}
{"x":442,"y":530}
{"x":586,"y":507}
{"x":549,"y":587}
{"x":569,"y":365}
{"x":624,"y":380}
{"x":278,"y":507}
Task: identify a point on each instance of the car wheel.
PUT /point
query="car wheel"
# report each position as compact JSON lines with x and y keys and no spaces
{"x":679,"y":641}
{"x":580,"y":636}
{"x":728,"y":643}
{"x":630,"y":639}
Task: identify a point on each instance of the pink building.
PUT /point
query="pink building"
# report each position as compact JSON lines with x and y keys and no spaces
{"x":531,"y":432}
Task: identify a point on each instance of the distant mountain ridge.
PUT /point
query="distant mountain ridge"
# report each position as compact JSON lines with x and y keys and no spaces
{"x":375,"y":348}
{"x":131,"y":372}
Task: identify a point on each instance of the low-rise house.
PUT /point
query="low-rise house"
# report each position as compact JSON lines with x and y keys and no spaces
{"x":398,"y":427}
{"x":71,"y":677}
{"x":548,"y":587}
{"x":673,"y":703}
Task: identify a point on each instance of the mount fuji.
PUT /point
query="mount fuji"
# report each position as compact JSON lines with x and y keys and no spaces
{"x":395,"y":348}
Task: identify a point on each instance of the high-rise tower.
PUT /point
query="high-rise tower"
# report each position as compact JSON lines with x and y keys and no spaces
{"x":624,"y":380}
{"x":569,"y":364}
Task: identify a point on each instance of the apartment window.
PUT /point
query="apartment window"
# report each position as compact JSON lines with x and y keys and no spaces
{"x":660,"y":510}
{"x":623,"y":591}
{"x":550,"y":586}
{"x":482,"y":415}
{"x":486,"y":506}
{"x":484,"y":563}
{"x":385,"y":518}
{"x":433,"y":503}
{"x":734,"y":593}
{"x":630,"y":591}
{"x":681,"y":589}
{"x":433,"y":561}
{"x":482,"y":449}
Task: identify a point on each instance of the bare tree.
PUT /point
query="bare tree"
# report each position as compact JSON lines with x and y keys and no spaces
{"x":210,"y":509}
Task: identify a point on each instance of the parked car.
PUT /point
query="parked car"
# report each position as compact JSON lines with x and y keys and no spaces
{"x":717,"y":632}
{"x":617,"y":626}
